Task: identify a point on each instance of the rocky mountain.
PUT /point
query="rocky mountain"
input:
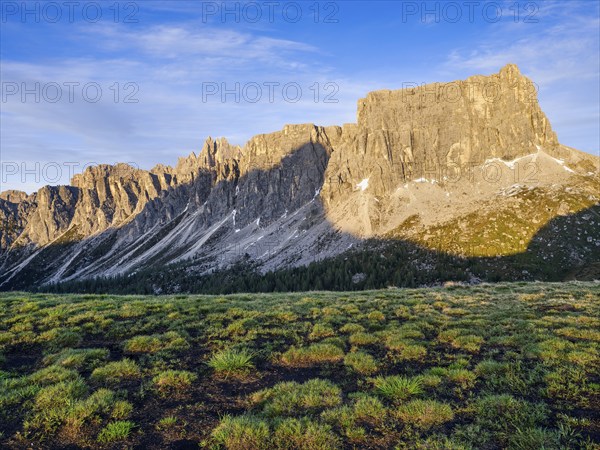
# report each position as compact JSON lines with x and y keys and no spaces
{"x":470,"y":169}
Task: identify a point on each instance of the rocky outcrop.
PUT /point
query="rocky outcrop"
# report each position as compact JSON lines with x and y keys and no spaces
{"x":13,"y":196}
{"x":416,"y":159}
{"x":51,"y":215}
{"x":113,"y":195}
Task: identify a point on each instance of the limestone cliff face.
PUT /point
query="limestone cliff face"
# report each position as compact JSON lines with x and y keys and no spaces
{"x":51,"y":213}
{"x":14,"y":210}
{"x":113,"y":195}
{"x":305,"y":192}
{"x":471,"y":120}
{"x":273,"y":173}
{"x":281,"y":171}
{"x":412,"y":133}
{"x":100,"y":197}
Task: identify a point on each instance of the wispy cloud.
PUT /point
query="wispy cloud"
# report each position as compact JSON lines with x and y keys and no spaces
{"x":169,"y":65}
{"x":196,"y":43}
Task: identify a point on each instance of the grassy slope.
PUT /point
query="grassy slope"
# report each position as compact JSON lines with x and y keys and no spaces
{"x":490,"y":366}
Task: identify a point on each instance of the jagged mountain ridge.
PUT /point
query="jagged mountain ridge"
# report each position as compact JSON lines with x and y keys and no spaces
{"x":419,"y":165}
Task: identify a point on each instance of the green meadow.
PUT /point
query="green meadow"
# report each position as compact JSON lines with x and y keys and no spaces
{"x":496,"y":366}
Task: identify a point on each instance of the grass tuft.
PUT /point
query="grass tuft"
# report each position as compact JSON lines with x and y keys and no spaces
{"x":311,"y":355}
{"x":288,"y":398}
{"x":397,"y":388}
{"x":361,"y":362}
{"x":173,"y":382}
{"x":425,"y":414}
{"x":116,"y":372}
{"x":115,"y":432}
{"x":232,"y":362}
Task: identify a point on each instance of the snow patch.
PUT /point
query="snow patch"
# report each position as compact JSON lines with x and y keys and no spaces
{"x":509,"y":164}
{"x":364,"y":184}
{"x":562,"y":163}
{"x":425,"y":180}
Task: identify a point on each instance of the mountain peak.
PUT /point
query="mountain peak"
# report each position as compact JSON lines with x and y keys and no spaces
{"x":503,"y":116}
{"x":511,"y":71}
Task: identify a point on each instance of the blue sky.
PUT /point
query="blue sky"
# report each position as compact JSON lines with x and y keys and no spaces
{"x":164,"y":54}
